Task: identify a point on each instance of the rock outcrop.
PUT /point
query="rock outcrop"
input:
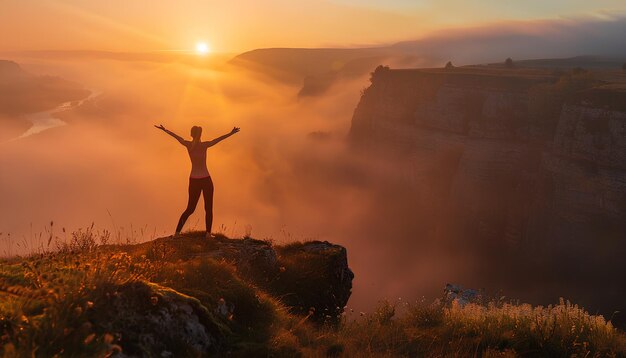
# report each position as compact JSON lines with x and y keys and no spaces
{"x":317,"y":264}
{"x":158,"y":321}
{"x":311,"y":278}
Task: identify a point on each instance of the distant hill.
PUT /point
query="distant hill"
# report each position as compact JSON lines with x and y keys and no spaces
{"x":586,"y":62}
{"x":536,"y":39}
{"x":592,"y":44}
{"x":23,"y":93}
{"x":294,"y":64}
{"x":185,"y":57}
{"x":10,"y":69}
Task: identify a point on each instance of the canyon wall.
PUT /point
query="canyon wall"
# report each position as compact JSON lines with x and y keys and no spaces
{"x":513,"y":157}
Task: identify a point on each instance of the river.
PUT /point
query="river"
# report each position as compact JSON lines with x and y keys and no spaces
{"x":45,"y":120}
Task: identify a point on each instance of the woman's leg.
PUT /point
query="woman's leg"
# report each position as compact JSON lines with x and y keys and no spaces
{"x":194,"y":195}
{"x":207,"y":192}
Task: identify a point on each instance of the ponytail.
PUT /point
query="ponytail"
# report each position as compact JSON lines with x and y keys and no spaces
{"x":196,"y":132}
{"x":195,"y":141}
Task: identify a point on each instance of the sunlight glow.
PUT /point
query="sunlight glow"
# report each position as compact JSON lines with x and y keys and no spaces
{"x":202,"y":48}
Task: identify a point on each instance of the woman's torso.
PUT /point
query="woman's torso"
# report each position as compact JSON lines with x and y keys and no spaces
{"x":197,"y":154}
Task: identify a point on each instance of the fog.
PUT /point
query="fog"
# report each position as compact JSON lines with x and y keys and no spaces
{"x":530,"y":39}
{"x":274,"y":180}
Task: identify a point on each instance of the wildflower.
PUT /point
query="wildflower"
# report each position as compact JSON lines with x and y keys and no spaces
{"x":89,"y":338}
{"x":108,"y":338}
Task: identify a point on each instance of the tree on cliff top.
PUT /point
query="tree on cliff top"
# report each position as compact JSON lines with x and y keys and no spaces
{"x":379,"y":69}
{"x":508,"y":63}
{"x":449,"y":65}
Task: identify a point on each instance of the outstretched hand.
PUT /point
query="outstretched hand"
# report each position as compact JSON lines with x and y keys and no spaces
{"x":235,"y":130}
{"x":160,"y":126}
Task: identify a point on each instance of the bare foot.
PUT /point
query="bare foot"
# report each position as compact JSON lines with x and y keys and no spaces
{"x":210,"y":236}
{"x":176,"y":235}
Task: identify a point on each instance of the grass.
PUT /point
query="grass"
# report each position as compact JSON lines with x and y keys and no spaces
{"x":87,"y":299}
{"x":503,"y":329}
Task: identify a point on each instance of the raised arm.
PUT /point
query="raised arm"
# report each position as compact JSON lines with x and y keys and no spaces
{"x":176,"y":136}
{"x":219,"y":139}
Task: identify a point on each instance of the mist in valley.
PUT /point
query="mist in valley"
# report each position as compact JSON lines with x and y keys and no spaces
{"x":289,"y":175}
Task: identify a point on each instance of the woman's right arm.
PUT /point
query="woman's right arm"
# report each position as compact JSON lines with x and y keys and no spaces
{"x":176,"y":136}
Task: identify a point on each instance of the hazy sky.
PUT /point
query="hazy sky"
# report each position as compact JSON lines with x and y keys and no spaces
{"x":235,"y":26}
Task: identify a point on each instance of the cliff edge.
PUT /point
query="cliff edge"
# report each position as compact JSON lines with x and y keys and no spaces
{"x":518,"y":154}
{"x":524,"y":169}
{"x":180,"y":297}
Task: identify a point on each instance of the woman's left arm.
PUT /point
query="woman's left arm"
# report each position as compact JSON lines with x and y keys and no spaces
{"x":219,"y":139}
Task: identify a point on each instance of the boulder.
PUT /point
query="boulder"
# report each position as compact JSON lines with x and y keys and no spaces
{"x":151,"y":320}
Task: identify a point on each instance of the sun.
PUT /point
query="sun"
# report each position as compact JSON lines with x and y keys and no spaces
{"x":202,"y":48}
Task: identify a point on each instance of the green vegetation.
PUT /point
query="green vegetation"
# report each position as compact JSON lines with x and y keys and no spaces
{"x":150,"y":299}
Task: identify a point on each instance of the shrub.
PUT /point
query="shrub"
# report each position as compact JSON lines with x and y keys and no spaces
{"x":494,"y":330}
{"x":561,"y":330}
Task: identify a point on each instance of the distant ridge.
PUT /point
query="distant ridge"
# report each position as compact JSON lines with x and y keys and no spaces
{"x":563,"y":43}
{"x":23,"y":93}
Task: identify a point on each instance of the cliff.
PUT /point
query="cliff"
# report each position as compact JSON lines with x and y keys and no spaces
{"x":288,"y":272}
{"x":181,"y":297}
{"x":508,"y":142}
{"x":526,"y":167}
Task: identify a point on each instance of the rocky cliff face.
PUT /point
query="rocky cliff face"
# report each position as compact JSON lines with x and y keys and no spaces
{"x":516,"y":155}
{"x":311,"y":278}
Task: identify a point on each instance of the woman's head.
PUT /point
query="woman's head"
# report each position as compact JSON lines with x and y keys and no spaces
{"x":196,"y":132}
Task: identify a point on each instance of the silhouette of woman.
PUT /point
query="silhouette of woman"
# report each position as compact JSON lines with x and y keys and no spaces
{"x":199,"y":179}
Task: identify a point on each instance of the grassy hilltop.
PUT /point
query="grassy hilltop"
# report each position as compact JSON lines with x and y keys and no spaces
{"x":195,"y":297}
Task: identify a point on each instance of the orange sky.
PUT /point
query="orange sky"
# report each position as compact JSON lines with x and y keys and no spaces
{"x":229,"y":26}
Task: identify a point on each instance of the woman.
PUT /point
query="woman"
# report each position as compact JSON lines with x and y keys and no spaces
{"x":199,"y":179}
